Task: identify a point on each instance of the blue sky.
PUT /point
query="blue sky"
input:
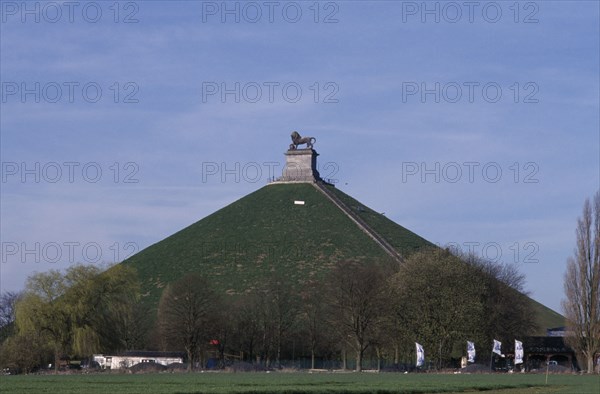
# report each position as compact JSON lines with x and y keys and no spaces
{"x":475,"y":124}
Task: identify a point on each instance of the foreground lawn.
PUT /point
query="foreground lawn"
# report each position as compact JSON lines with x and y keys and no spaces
{"x":292,"y":383}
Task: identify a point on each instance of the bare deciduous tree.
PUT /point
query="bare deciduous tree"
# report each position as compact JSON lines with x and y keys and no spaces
{"x":277,"y":310}
{"x":358,"y":302}
{"x":508,"y":312}
{"x":582,"y":285}
{"x":244,"y":316}
{"x":313,"y":317}
{"x":8,"y":303}
{"x":284,"y":311}
{"x":185,"y":314}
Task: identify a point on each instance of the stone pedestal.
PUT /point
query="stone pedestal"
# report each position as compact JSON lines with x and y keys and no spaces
{"x":300,"y":166}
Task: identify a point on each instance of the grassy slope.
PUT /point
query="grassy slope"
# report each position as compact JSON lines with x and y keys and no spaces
{"x":547,"y":318}
{"x":264,"y":231}
{"x":404,"y":240}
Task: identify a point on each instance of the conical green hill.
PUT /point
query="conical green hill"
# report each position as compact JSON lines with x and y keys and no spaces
{"x":266,"y":230}
{"x":239,"y":245}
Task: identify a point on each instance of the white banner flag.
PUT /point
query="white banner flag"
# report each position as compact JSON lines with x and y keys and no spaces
{"x":518,"y":352}
{"x":497,"y":347}
{"x":470,"y":352}
{"x":420,"y":355}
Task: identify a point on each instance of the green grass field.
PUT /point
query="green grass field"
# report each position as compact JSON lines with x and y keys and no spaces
{"x":299,"y":383}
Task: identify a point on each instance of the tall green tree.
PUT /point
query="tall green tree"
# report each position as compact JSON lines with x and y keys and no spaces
{"x":113,"y":309}
{"x":75,"y":312}
{"x":44,"y":312}
{"x":438,"y":301}
{"x":582,"y":285}
{"x":24,"y":352}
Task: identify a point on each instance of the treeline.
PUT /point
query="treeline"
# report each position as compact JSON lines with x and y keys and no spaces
{"x":358,"y":309}
{"x":73,"y":314}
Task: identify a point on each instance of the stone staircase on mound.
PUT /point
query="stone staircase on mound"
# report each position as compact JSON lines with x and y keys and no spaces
{"x":385,"y":245}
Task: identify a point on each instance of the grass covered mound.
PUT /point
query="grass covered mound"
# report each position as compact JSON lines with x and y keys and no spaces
{"x":238,"y":245}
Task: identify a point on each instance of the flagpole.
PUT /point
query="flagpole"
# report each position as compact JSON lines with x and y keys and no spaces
{"x":491,"y":360}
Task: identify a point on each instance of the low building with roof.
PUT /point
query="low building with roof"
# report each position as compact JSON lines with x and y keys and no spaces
{"x":131,"y":358}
